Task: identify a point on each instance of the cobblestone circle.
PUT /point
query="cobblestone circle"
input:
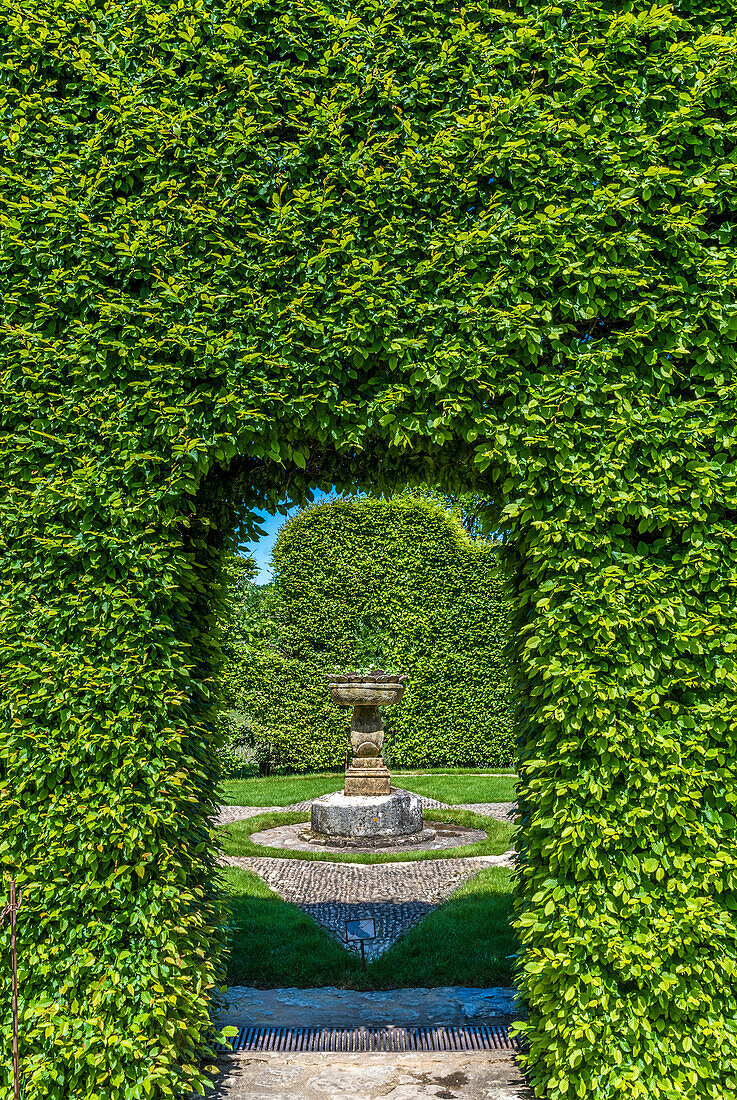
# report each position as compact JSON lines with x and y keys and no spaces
{"x":296,"y":838}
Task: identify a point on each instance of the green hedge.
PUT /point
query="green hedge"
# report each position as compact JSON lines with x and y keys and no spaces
{"x":280,"y":708}
{"x":392,"y":584}
{"x":248,"y":248}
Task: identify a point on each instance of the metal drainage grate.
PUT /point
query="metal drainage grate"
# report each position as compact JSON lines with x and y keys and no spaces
{"x":371,"y":1039}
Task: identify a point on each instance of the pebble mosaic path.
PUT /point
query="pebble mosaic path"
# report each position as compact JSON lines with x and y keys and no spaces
{"x":396,"y":895}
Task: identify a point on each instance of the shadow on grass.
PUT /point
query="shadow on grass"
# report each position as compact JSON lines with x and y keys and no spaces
{"x":466,"y":941}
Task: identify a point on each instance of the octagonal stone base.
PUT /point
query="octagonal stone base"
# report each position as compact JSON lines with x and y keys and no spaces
{"x":342,"y":819}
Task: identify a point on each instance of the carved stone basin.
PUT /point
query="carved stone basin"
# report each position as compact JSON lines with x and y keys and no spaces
{"x":368,"y":809}
{"x":364,"y":693}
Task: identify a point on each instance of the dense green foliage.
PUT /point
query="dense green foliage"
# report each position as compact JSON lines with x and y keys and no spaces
{"x":251,"y":247}
{"x":468,"y":941}
{"x":376,"y":584}
{"x":280,"y":709}
{"x":275,"y":712}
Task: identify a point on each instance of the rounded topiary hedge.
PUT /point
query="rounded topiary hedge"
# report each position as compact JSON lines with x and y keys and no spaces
{"x":251,"y":247}
{"x":398,"y":584}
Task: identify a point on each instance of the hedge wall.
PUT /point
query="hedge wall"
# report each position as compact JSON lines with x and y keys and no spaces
{"x":281,"y":709}
{"x":386,"y":584}
{"x":251,"y":247}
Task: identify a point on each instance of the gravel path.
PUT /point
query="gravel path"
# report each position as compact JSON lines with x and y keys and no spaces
{"x":502,"y":811}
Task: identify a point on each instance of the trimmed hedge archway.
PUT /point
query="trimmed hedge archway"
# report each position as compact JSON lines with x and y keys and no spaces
{"x":251,"y":247}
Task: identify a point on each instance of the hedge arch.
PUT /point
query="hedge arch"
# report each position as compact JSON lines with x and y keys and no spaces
{"x":249,"y":247}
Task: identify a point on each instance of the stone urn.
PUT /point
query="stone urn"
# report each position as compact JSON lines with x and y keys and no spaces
{"x":369,"y":813}
{"x":368,"y":774}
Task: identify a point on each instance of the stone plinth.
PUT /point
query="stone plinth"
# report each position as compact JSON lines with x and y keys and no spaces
{"x":384,"y":820}
{"x":368,"y":776}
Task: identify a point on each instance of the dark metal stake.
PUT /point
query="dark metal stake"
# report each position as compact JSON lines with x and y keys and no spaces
{"x":11,"y":909}
{"x":363,"y":954}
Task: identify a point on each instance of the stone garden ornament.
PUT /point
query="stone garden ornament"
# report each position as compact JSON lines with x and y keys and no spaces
{"x":368,"y":810}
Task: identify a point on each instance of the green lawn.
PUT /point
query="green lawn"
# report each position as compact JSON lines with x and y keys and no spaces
{"x":235,"y":839}
{"x":451,"y":787}
{"x":454,"y":771}
{"x":466,"y":942}
{"x":278,"y":790}
{"x":461,"y":788}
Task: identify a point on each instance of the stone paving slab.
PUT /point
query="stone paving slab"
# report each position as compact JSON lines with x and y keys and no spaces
{"x":447,"y":1076}
{"x":333,"y":1007}
{"x":444,"y":836}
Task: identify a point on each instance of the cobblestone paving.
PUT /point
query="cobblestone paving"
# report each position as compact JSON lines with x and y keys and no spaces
{"x":396,"y":895}
{"x":310,"y":881}
{"x":391,"y":922}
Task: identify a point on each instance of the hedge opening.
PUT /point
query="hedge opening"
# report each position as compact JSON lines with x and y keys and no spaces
{"x":395,"y":584}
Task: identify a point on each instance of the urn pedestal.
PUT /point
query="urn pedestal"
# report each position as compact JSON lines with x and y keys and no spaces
{"x":367,"y":774}
{"x":367,"y":779}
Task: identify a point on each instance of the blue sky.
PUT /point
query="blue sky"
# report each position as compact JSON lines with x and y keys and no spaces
{"x":261,"y":549}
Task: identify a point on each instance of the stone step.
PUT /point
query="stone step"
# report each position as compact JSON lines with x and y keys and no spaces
{"x":488,"y":1075}
{"x":332,"y":1007}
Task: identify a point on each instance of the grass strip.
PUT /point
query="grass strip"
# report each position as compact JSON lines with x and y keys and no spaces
{"x":283,"y":790}
{"x":461,"y":788}
{"x":468,"y":941}
{"x":235,"y":839}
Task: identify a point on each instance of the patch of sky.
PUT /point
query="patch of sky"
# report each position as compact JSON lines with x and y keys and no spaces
{"x":260,"y":549}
